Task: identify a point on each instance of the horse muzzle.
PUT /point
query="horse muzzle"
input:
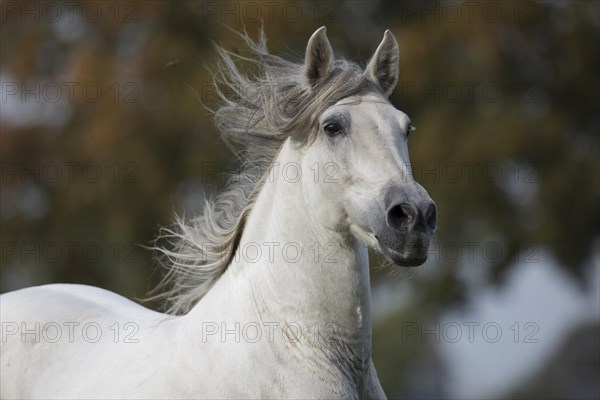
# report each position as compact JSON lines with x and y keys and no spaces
{"x":406,"y":236}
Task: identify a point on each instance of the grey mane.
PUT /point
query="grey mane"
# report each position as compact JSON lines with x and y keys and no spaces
{"x":256,"y":114}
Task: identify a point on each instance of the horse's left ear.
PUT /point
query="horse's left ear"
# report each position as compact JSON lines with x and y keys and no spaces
{"x":383,"y":67}
{"x":319,"y":56}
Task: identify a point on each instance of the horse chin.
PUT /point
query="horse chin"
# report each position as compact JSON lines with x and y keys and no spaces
{"x":403,"y":261}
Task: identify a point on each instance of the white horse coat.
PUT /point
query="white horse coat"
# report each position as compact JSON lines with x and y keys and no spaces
{"x":289,"y":314}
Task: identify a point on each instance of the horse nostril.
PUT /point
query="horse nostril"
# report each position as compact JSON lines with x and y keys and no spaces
{"x":402,"y":216}
{"x":431,"y":216}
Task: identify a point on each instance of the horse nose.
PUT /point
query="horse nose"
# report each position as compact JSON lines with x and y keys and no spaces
{"x":430,"y":216}
{"x":406,"y":216}
{"x":402,"y":217}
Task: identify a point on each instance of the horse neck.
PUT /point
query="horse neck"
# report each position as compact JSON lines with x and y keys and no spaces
{"x":328,"y":284}
{"x":328,"y":303}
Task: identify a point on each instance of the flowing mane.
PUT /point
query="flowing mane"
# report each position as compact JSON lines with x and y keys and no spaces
{"x":256,"y":114}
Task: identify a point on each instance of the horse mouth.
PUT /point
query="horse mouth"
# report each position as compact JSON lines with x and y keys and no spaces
{"x":405,"y":260}
{"x":410,"y":252}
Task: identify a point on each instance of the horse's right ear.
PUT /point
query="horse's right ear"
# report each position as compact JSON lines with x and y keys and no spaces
{"x":383,"y":67}
{"x":319,"y":56}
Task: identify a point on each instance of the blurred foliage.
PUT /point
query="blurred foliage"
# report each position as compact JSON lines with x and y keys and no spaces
{"x":571,"y":373}
{"x":507,"y":141}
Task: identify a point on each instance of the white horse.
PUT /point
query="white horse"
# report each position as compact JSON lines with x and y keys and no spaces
{"x":269,"y":288}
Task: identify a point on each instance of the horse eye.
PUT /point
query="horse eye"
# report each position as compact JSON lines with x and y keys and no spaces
{"x":332,"y":129}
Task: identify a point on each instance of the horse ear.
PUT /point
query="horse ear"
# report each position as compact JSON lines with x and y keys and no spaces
{"x":382,"y":69}
{"x":319,"y":56}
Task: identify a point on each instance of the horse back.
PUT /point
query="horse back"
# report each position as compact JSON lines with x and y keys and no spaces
{"x":52,"y":333}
